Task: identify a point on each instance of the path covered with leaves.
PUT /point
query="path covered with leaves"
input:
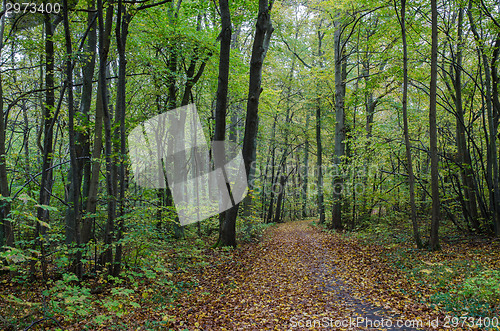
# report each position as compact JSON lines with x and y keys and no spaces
{"x":298,"y":277}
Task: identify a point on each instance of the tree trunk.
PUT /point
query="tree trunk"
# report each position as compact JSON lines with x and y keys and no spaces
{"x":221,"y":106}
{"x":85,"y":105}
{"x":411,"y":177}
{"x":340,"y":131}
{"x":48,"y":119}
{"x":102,"y":93}
{"x":278,"y":217}
{"x":270,"y":211}
{"x":123,"y":20}
{"x":263,"y":32}
{"x":305,"y":173}
{"x":319,"y":165}
{"x":73,"y":211}
{"x":319,"y":146}
{"x":6,"y":233}
{"x":107,"y":256}
{"x":496,"y":113}
{"x":464,"y":158}
{"x":492,"y":175}
{"x":434,"y":239}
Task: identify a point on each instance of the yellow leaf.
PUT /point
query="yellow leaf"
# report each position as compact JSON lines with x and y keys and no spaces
{"x":427,"y":271}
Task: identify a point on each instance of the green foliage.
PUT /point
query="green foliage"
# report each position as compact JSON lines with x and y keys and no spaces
{"x":477,"y":295}
{"x":68,"y":299}
{"x":483,"y":287}
{"x":251,"y":228}
{"x":16,"y":260}
{"x":119,"y":301}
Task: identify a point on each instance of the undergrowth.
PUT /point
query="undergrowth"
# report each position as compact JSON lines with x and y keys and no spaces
{"x":148,"y":282}
{"x":463,"y":279}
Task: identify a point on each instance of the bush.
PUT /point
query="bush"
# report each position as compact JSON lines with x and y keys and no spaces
{"x":69,"y":300}
{"x":484,"y":287}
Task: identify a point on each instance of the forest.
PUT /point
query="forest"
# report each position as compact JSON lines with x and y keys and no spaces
{"x":352,"y":182}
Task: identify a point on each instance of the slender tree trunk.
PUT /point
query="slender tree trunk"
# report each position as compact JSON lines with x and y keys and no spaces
{"x":173,"y":66}
{"x":463,"y":152}
{"x":496,"y":114}
{"x":319,"y":146}
{"x":492,"y":175}
{"x":305,"y":173}
{"x":278,"y":217}
{"x":319,"y":165}
{"x":73,"y":212}
{"x":123,"y":20}
{"x":283,"y":164}
{"x":270,"y":211}
{"x":85,"y":105}
{"x":102,"y":93}
{"x":340,"y":130}
{"x":48,"y":118}
{"x":109,"y":233}
{"x":434,"y":239}
{"x":411,"y":177}
{"x":6,"y":233}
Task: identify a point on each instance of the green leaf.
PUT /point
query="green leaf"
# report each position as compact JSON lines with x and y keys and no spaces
{"x":45,"y":207}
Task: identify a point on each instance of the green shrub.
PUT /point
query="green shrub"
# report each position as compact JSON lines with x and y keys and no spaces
{"x":484,"y":287}
{"x":120,"y":302}
{"x":68,"y":300}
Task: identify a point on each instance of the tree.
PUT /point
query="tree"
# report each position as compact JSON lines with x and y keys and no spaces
{"x":319,"y":147}
{"x":409,"y":166}
{"x":73,"y":223}
{"x":49,"y":117}
{"x":263,"y":32}
{"x":491,"y":104}
{"x":340,"y":129}
{"x":221,"y":105}
{"x":104,"y":29}
{"x":107,"y":255}
{"x":434,"y":240}
{"x":84,"y":138}
{"x":6,"y":233}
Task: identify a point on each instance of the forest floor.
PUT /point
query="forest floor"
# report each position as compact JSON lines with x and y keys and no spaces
{"x":297,"y":276}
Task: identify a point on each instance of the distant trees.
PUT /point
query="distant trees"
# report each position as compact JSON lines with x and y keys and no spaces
{"x":424,"y":164}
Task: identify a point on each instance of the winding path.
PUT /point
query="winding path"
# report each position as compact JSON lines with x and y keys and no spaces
{"x":294,"y":279}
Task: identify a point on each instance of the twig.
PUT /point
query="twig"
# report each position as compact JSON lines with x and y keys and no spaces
{"x":41,"y":320}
